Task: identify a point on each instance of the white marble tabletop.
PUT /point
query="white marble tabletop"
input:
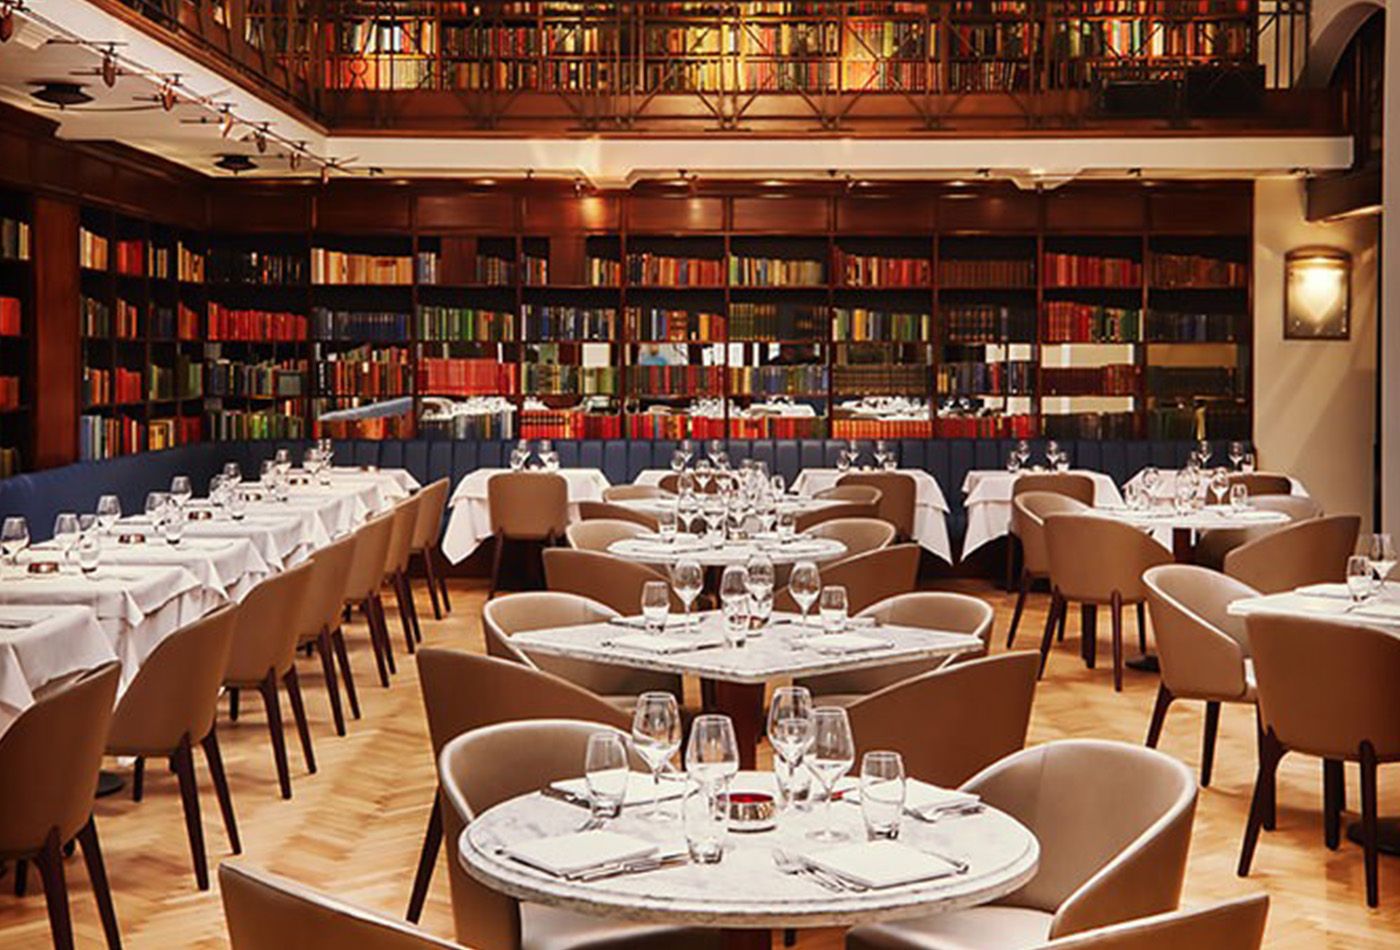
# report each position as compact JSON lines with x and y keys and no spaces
{"x":746,"y":890}
{"x":39,"y":644}
{"x":651,"y":550}
{"x":784,"y":649}
{"x":1327,"y":601}
{"x":1166,"y":483}
{"x":788,"y":503}
{"x":1208,"y":518}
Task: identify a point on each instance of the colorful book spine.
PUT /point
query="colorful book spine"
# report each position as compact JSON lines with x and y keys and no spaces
{"x":1173,"y":271}
{"x":14,"y":239}
{"x":776,"y":272}
{"x":674,"y":326}
{"x":255,"y":325}
{"x":569,"y":323}
{"x":992,"y":273}
{"x":1068,"y":321}
{"x":1080,"y":270}
{"x":989,"y":323}
{"x":92,"y":250}
{"x":803,"y":379}
{"x":859,"y":324}
{"x":340,"y":267}
{"x":11,"y":316}
{"x":659,"y":270}
{"x":466,"y":377}
{"x":875,"y":271}
{"x":380,"y":327}
{"x":675,"y":380}
{"x":465,"y":324}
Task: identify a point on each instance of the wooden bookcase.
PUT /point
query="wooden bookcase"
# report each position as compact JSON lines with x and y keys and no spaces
{"x":16,"y":332}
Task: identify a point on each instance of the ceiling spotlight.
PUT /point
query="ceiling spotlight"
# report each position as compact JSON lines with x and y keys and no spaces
{"x":236,"y":163}
{"x":984,"y":173}
{"x":7,"y":21}
{"x":580,"y":186}
{"x":294,"y":157}
{"x":325,"y":173}
{"x":61,"y":94}
{"x":109,"y":68}
{"x":260,"y":139}
{"x":226,"y":122}
{"x":1135,"y":173}
{"x":167,"y":95}
{"x":375,"y":170}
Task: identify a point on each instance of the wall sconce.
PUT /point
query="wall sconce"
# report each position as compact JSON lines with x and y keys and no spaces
{"x":1317,"y":294}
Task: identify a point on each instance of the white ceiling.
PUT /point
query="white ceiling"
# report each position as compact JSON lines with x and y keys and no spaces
{"x":190,"y":134}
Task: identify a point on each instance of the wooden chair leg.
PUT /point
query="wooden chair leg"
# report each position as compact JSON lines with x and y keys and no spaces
{"x":347,"y":676}
{"x":1142,"y":627}
{"x":1271,"y":751}
{"x":215,"y":760}
{"x":402,"y":602}
{"x":1208,"y":742}
{"x":1089,"y":634}
{"x":293,"y":684}
{"x":1064,"y":615}
{"x":1334,"y":797}
{"x":1020,"y":606}
{"x":21,"y":877}
{"x":440,"y":568}
{"x":101,"y":890}
{"x":1057,"y":606}
{"x":382,"y":622}
{"x":138,"y":778}
{"x":499,"y":546}
{"x":427,"y":861}
{"x":1159,"y":715}
{"x":233,"y":705}
{"x":1010,"y":560}
{"x":182,"y":764}
{"x":430,"y":571}
{"x":268,"y":688}
{"x":323,"y":647}
{"x":372,"y":622}
{"x":1369,"y":822}
{"x":412,"y":607}
{"x":49,"y":862}
{"x":1270,"y":816}
{"x":1116,"y":607}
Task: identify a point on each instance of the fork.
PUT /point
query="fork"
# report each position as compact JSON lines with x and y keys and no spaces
{"x":791,"y":864}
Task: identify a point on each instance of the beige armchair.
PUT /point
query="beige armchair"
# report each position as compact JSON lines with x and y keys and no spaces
{"x":529,"y":507}
{"x":1212,"y":546}
{"x":1231,"y":925}
{"x":1070,"y":485}
{"x":859,"y":535}
{"x":1028,"y":512}
{"x":985,"y":706}
{"x":598,"y":510}
{"x":1203,"y":651}
{"x":322,"y":611}
{"x":1114,"y":826}
{"x":840,"y":511}
{"x":1325,"y":689}
{"x":490,"y":765}
{"x":899,"y":495}
{"x":634,"y":492}
{"x":1263,"y":483}
{"x":599,"y":535}
{"x":362,"y":591}
{"x":1096,"y":561}
{"x":613,"y":581}
{"x":427,"y":534}
{"x":1308,"y":552}
{"x":868,"y":578}
{"x":859,"y":494}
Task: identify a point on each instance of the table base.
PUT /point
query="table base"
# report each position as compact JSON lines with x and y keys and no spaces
{"x":747,"y":939}
{"x":109,"y":783}
{"x":1387,"y":835}
{"x":1147,"y":663}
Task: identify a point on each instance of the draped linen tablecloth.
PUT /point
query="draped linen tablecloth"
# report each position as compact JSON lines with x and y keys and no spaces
{"x":930,"y":505}
{"x":988,"y":503}
{"x":40,"y":644}
{"x":470,"y":521}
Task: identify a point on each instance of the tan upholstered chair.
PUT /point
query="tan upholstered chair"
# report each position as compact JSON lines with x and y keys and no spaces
{"x":670,"y":484}
{"x":532,"y":507}
{"x":362,"y":587}
{"x":1114,"y":826}
{"x":322,"y":612}
{"x":868,"y":578}
{"x":1212,"y":546}
{"x":859,"y":535}
{"x":1308,"y":552}
{"x":1232,"y":925}
{"x":841,"y":511}
{"x":464,"y":691}
{"x":490,"y":765}
{"x":538,"y":610}
{"x":427,"y":534}
{"x":613,"y":581}
{"x":1098,"y":561}
{"x":599,"y":535}
{"x":898,"y":497}
{"x":1297,"y":507}
{"x":932,"y":610}
{"x":266,"y":912}
{"x":50,"y":757}
{"x":1325,"y":689}
{"x":634,"y":492}
{"x":168,"y":709}
{"x":405,"y":518}
{"x":860,"y":494}
{"x":1203,"y":651}
{"x":1263,"y":483}
{"x":264,"y":651}
{"x":600,"y":510}
{"x":1070,"y":485}
{"x":1028,"y":511}
{"x":983,"y":706}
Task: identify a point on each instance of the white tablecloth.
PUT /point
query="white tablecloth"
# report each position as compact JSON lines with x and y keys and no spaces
{"x":988,"y":503}
{"x":470,"y":521}
{"x":227,"y":568}
{"x":42,"y":644}
{"x":930,"y":506}
{"x":396,"y":483}
{"x":1166,"y":483}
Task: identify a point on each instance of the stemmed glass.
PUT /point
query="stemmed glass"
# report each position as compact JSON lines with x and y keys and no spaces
{"x":65,"y":533}
{"x":1203,"y":451}
{"x":233,"y":473}
{"x":687,"y":579}
{"x":712,"y":754}
{"x":605,"y":772}
{"x":1151,"y":478}
{"x":790,"y":733}
{"x":1247,"y":463}
{"x":832,"y":755}
{"x":805,"y":585}
{"x":156,"y":504}
{"x":666,"y":524}
{"x":703,"y":470}
{"x":1380,"y":551}
{"x":687,"y":450}
{"x":89,"y":545}
{"x":834,"y":608}
{"x":1236,"y":454}
{"x":282,"y":461}
{"x":109,"y":511}
{"x":687,"y":510}
{"x":1361,"y":578}
{"x":734,"y":603}
{"x":760,"y":580}
{"x":181,"y":491}
{"x":1239,"y":497}
{"x":14,"y":538}
{"x":677,"y":461}
{"x":843,"y":461}
{"x":656,"y":606}
{"x":1220,"y":485}
{"x":656,"y":735}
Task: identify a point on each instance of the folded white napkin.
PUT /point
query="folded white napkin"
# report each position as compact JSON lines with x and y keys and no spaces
{"x":566,"y":855}
{"x":926,"y":799}
{"x":881,"y":863}
{"x":638,"y":791}
{"x":665,"y":644}
{"x":1334,"y":590}
{"x":673,"y":621}
{"x":839,"y":643}
{"x":1381,"y":610}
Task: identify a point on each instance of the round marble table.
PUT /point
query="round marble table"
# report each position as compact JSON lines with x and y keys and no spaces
{"x":795,"y":504}
{"x":654,"y":551}
{"x":745,"y":894}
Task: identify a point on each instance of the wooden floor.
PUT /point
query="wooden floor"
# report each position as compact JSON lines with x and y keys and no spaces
{"x":354,"y":828}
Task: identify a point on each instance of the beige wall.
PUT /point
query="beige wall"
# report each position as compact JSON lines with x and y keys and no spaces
{"x":1314,"y":401}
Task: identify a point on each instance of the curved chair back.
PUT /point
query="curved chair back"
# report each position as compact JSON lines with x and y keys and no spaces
{"x":268,"y":626}
{"x":1201,"y":647}
{"x":859,"y":535}
{"x":931,"y":610}
{"x":51,"y":755}
{"x":898,"y":495}
{"x":176,"y":691}
{"x":405,"y":519}
{"x":529,"y":506}
{"x":983,"y":708}
{"x":1212,"y":546}
{"x":325,"y":597}
{"x":614,"y":581}
{"x":841,"y":511}
{"x":1297,"y":661}
{"x":266,"y":912}
{"x":670,"y":484}
{"x":868,"y":578}
{"x":1263,"y":483}
{"x":1297,"y":507}
{"x":1114,"y":825}
{"x":602,"y":510}
{"x":1091,"y":557}
{"x":1232,"y":925}
{"x":1307,"y":552}
{"x":860,"y":494}
{"x":1028,"y":512}
{"x":371,"y":554}
{"x":599,"y":535}
{"x":432,"y":503}
{"x":632,"y":492}
{"x":1069,"y":484}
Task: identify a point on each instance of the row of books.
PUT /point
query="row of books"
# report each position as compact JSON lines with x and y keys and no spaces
{"x":678,"y":326}
{"x":474,"y":426}
{"x":1212,"y":421}
{"x":889,"y":75}
{"x":1068,"y":321}
{"x":14,"y":239}
{"x":228,"y":425}
{"x":285,"y":379}
{"x":379,"y":73}
{"x":869,"y":429}
{"x":495,"y":270}
{"x":187,"y":322}
{"x":776,"y":272}
{"x":9,"y":392}
{"x":1085,"y":270}
{"x":92,"y":250}
{"x":505,"y":42}
{"x":103,"y":437}
{"x":1178,"y":382}
{"x":172,"y":431}
{"x":773,"y":427}
{"x":1013,"y":378}
{"x":1195,"y":270}
{"x":466,"y":377}
{"x":163,"y":324}
{"x":675,"y":380}
{"x":566,"y":379}
{"x":1115,"y":379}
{"x":543,"y":322}
{"x":995,"y":75}
{"x":256,"y":325}
{"x":126,"y":320}
{"x":659,"y":269}
{"x":130,"y":256}
{"x":961,"y":426}
{"x":342,"y":267}
{"x":671,"y":426}
{"x":11,"y":316}
{"x":569,"y":424}
{"x":427,"y":267}
{"x":235,"y":266}
{"x":989,"y":323}
{"x":994,"y":272}
{"x":771,"y":321}
{"x":190,"y":264}
{"x":777,"y":380}
{"x":161,"y":259}
{"x":94,"y":317}
{"x":1089,"y":425}
{"x":880,"y":379}
{"x":184,"y":380}
{"x":464,"y":323}
{"x":604,"y":272}
{"x":860,"y":324}
{"x":366,"y":371}
{"x":868,"y":270}
{"x":387,"y":327}
{"x":117,"y":386}
{"x":1170,"y":326}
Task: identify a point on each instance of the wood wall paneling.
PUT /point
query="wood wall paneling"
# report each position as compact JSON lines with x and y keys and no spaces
{"x":569,"y":212}
{"x":58,"y":347}
{"x":1095,"y":210}
{"x":648,"y":213}
{"x":996,"y":209}
{"x":358,"y":208}
{"x":781,"y":214}
{"x":257,"y":207}
{"x":472,"y":211}
{"x":1220,"y":208}
{"x":887,"y":214}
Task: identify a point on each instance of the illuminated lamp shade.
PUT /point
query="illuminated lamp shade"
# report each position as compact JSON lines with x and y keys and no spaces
{"x":1317,"y":294}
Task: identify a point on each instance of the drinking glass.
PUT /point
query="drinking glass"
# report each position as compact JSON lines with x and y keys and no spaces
{"x":703,"y":470}
{"x":1247,"y":463}
{"x":656,"y":735}
{"x":656,"y":606}
{"x":156,"y":504}
{"x":1239,"y":497}
{"x":1381,"y":553}
{"x":779,"y":485}
{"x":237,"y":505}
{"x":14,"y":538}
{"x":843,"y":461}
{"x":761,"y":578}
{"x":109,"y":511}
{"x":65,"y":534}
{"x":1203,"y":451}
{"x":1151,"y":478}
{"x":787,"y":526}
{"x":89,"y":552}
{"x":687,"y":450}
{"x":790,"y":735}
{"x":233,"y":473}
{"x":1360,"y":578}
{"x":173,"y":528}
{"x":282,"y":461}
{"x":1013,"y":463}
{"x":666,"y":524}
{"x":1236,"y":454}
{"x":834,"y":607}
{"x":882,"y":790}
{"x":705,"y":820}
{"x":832,"y":754}
{"x":267,"y":474}
{"x":733,"y":585}
{"x":805,"y":584}
{"x":677,"y":461}
{"x":687,"y":509}
{"x":1220,"y":485}
{"x":736,"y":620}
{"x":605,"y":772}
{"x":687,"y":579}
{"x":712,"y":754}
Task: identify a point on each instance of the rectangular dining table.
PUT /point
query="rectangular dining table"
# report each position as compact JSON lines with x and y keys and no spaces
{"x":40,"y":645}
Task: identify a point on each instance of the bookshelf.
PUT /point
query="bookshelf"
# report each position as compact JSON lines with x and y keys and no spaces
{"x":16,"y":332}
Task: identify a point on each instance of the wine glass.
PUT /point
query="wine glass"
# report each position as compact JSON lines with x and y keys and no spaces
{"x":89,"y":549}
{"x":1239,"y":497}
{"x":605,"y":772}
{"x":1247,"y":463}
{"x":181,"y":491}
{"x":882,"y":790}
{"x":234,"y":473}
{"x":1236,"y":454}
{"x":14,"y":538}
{"x":1151,"y":478}
{"x":156,"y":504}
{"x":843,"y":461}
{"x":677,"y":461}
{"x":65,"y":534}
{"x":761,"y":577}
{"x":687,"y":579}
{"x":787,"y":526}
{"x":832,"y":754}
{"x":267,"y":474}
{"x":834,"y":608}
{"x":805,"y":585}
{"x":656,"y":606}
{"x":736,"y":620}
{"x":703,"y":470}
{"x":656,"y":735}
{"x":282,"y":461}
{"x":1360,"y":578}
{"x":666,"y":523}
{"x":712,"y":754}
{"x":1380,"y":552}
{"x":790,"y":735}
{"x":687,"y":450}
{"x":687,"y":510}
{"x":733,"y":584}
{"x":1220,"y":485}
{"x":779,"y":485}
{"x":109,"y":511}
{"x":1203,"y":452}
